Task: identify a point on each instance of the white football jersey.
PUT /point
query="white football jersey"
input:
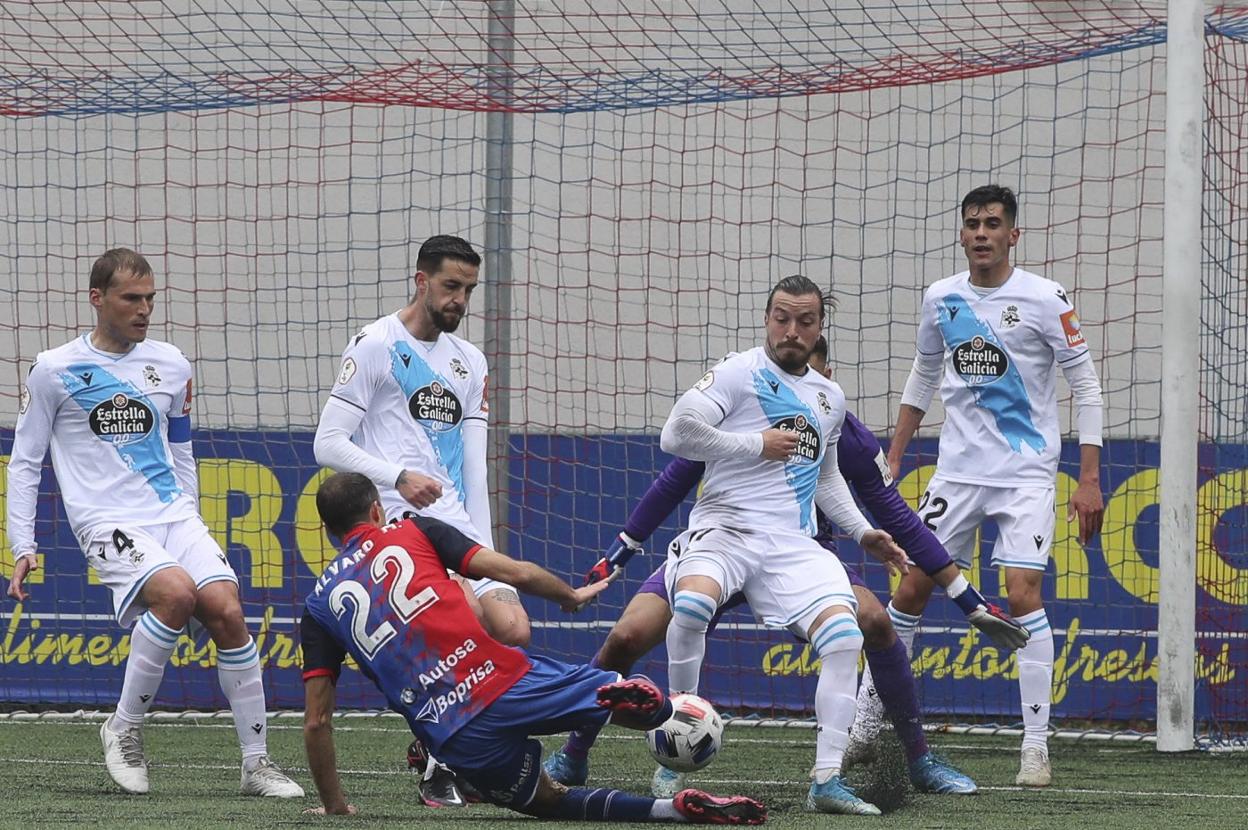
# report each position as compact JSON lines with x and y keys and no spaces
{"x":106,"y":418}
{"x":1001,"y":353}
{"x":755,"y":394}
{"x":415,"y":397}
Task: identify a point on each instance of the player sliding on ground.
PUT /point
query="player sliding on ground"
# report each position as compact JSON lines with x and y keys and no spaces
{"x":767,"y":426}
{"x":992,"y":338}
{"x":388,"y":601}
{"x":115,"y":407}
{"x":861,"y":461}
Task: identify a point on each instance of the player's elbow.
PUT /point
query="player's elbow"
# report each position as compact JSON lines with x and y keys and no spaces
{"x":669,"y":438}
{"x":323,"y":448}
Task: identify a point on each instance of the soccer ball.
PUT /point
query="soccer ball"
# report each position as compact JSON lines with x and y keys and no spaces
{"x":690,"y":738}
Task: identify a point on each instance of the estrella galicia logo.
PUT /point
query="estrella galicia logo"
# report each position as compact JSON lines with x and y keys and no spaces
{"x":121,"y":419}
{"x":436,"y":407}
{"x":808,"y":440}
{"x":979,"y":362}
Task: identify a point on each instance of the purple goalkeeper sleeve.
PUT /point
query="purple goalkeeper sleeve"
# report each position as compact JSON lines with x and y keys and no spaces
{"x":676,"y":481}
{"x":863,"y":465}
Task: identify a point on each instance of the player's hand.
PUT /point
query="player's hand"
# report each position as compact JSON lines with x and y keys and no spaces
{"x":880,"y":544}
{"x":23,"y":566}
{"x":623,"y":548}
{"x":779,"y":444}
{"x":583,"y":595}
{"x":1086,"y":503}
{"x":345,"y":810}
{"x":418,"y":490}
{"x":1004,"y":630}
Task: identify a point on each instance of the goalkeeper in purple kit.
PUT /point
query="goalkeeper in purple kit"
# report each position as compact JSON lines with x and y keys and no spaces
{"x":863,"y":465}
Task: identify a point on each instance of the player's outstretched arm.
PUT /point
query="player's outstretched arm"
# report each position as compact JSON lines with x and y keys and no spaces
{"x":533,"y":579}
{"x":318,"y":741}
{"x":667,"y":491}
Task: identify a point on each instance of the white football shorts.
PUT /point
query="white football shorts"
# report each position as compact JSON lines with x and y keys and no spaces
{"x":788,"y":579}
{"x":126,"y":556}
{"x":1025,"y":518}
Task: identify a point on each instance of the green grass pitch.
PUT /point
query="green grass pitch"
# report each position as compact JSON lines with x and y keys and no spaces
{"x":54,"y":777}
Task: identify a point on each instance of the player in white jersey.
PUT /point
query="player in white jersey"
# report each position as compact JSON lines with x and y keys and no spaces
{"x":409,"y":409}
{"x":998,"y":335}
{"x":114,"y":406}
{"x":767,"y":426}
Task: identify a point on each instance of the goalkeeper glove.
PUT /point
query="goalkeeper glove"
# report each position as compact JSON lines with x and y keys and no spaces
{"x":622,"y":549}
{"x":999,"y":626}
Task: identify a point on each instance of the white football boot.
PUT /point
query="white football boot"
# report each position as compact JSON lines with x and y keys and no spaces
{"x":264,"y":778}
{"x":123,"y":757}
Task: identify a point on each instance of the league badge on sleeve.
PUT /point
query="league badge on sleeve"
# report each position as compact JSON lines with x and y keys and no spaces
{"x":23,"y":401}
{"x":705,"y":383}
{"x":347,"y":372}
{"x":1070,"y":325}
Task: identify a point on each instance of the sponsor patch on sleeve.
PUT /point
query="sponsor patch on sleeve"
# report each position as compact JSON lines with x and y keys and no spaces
{"x":186,"y":404}
{"x":885,"y":472}
{"x":1070,"y":325}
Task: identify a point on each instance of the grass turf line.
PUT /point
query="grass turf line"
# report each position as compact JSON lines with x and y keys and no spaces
{"x":55,"y":778}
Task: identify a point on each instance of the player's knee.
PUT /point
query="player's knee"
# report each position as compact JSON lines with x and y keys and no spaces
{"x":838,"y":633}
{"x":171,"y":597}
{"x":625,"y":645}
{"x":692,"y":611}
{"x":877,"y":629}
{"x":505,"y":619}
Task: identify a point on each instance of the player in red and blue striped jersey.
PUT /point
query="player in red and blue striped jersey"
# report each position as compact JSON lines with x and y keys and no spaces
{"x":862,"y":464}
{"x":387,"y":600}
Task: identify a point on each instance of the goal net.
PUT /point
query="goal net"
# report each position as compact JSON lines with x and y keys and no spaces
{"x":280,"y":163}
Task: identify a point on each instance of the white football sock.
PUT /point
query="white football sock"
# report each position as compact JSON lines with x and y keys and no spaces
{"x":686,"y":639}
{"x":238,"y":670}
{"x":151,"y":644}
{"x":1035,"y":679}
{"x":837,"y":641}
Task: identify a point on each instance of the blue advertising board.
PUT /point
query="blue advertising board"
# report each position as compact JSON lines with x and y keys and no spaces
{"x":569,"y":494}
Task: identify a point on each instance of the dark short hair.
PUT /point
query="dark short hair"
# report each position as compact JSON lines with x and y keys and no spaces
{"x":986,"y":194}
{"x":117,"y":259}
{"x":438,"y":248}
{"x":821,"y":348}
{"x":799,"y":286}
{"x":344,"y":500}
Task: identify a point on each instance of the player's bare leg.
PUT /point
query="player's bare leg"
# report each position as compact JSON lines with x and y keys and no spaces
{"x":639,"y":629}
{"x":904,"y":612}
{"x":238,"y":672}
{"x":505,"y":618}
{"x":1035,"y":674}
{"x":889,"y":664}
{"x":169,"y":596}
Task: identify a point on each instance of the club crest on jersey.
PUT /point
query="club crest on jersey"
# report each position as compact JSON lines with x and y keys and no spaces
{"x":408,"y":696}
{"x":1010,"y":317}
{"x":979,"y":362}
{"x":824,"y":405}
{"x":436,"y":407}
{"x":458,"y":369}
{"x":121,"y":419}
{"x":808,"y":440}
{"x":150,"y":375}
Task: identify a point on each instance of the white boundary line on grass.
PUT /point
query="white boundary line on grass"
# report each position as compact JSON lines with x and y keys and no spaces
{"x":701,"y":780}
